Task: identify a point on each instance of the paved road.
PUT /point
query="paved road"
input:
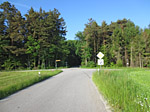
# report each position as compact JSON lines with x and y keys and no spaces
{"x":70,"y":91}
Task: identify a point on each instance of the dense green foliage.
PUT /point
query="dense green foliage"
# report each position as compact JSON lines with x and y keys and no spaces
{"x":11,"y":82}
{"x":73,"y":59}
{"x":126,"y":90}
{"x":37,"y":39}
{"x":33,"y":41}
{"x":122,"y":42}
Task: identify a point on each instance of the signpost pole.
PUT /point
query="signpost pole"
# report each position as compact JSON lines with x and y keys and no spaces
{"x":99,"y":71}
{"x":100,"y":67}
{"x":66,"y":64}
{"x":100,"y":55}
{"x":56,"y":64}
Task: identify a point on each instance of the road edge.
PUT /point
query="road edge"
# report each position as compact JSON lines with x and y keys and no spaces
{"x":107,"y":106}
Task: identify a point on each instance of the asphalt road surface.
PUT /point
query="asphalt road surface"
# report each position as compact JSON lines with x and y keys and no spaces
{"x":70,"y":91}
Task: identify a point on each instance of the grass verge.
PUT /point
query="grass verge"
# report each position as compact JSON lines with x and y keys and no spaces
{"x":126,"y":90}
{"x":11,"y":82}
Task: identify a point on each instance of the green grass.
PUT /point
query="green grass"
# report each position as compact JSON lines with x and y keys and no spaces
{"x":11,"y":82}
{"x":102,"y":67}
{"x":126,"y":90}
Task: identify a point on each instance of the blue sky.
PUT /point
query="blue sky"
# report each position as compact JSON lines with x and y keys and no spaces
{"x":77,"y":12}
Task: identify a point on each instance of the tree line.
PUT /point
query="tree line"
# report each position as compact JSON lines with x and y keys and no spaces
{"x":32,"y":41}
{"x":37,"y":39}
{"x":122,"y":42}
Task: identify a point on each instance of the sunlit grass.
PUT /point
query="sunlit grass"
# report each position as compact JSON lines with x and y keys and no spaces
{"x":11,"y":82}
{"x":126,"y":90}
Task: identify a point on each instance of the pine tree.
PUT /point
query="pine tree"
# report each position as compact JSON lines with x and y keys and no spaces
{"x":3,"y":42}
{"x":14,"y":33}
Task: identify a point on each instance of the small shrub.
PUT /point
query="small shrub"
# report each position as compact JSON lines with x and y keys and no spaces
{"x":148,"y":65}
{"x":119,"y":63}
{"x":91,"y":64}
{"x":112,"y":64}
{"x":82,"y":63}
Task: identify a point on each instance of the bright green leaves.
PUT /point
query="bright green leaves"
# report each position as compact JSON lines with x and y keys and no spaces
{"x":32,"y":46}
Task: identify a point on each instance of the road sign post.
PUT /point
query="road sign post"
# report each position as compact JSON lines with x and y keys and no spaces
{"x":100,"y":55}
{"x":56,"y":63}
{"x":66,"y":64}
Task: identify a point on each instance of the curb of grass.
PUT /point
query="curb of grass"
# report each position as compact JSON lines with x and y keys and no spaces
{"x":14,"y":88}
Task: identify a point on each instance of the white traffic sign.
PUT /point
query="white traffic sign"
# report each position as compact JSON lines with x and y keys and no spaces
{"x":100,"y":55}
{"x":100,"y":62}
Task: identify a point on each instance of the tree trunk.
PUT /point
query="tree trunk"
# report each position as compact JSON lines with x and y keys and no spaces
{"x":39,"y":62}
{"x":28,"y":62}
{"x":98,"y":43}
{"x":140,"y":60}
{"x":35,"y":62}
{"x":118,"y":54}
{"x":126,"y":56}
{"x":85,"y":61}
{"x":95,"y":50}
{"x":104,"y":43}
{"x":131,"y":59}
{"x":12,"y":42}
{"x":43,"y":63}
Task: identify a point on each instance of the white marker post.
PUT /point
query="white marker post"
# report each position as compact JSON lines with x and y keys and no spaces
{"x":100,"y":55}
{"x":39,"y":74}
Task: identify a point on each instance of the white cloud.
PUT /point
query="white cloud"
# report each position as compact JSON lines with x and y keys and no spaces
{"x":19,"y":4}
